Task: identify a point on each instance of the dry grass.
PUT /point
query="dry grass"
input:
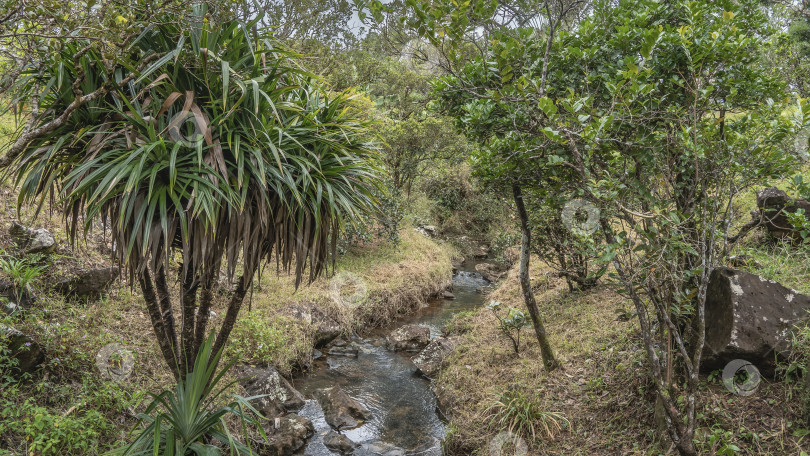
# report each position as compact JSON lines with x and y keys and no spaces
{"x":601,"y":391}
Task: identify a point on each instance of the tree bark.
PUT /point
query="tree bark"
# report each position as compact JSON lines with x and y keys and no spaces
{"x":166,"y":313}
{"x":153,"y":308}
{"x":189,"y":305}
{"x":546,"y":352}
{"x":237,"y":298}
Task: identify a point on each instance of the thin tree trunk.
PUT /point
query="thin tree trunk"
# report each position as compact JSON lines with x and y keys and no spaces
{"x":189,"y":303}
{"x":166,"y":313}
{"x":153,"y":308}
{"x":206,"y":298}
{"x":237,"y":298}
{"x":549,"y":361}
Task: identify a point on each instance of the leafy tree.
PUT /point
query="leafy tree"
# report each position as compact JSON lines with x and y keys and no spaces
{"x":660,"y":111}
{"x":215,"y":149}
{"x":304,"y":23}
{"x":661,"y":114}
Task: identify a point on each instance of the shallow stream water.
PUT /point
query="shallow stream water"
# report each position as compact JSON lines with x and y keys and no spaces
{"x":403,"y":407}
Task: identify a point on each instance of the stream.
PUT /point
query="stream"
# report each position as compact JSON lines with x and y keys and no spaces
{"x":403,"y":407}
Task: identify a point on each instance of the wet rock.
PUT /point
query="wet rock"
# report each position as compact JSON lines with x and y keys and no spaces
{"x":32,"y":240}
{"x":342,"y":348}
{"x":431,"y":447}
{"x":489,"y":271}
{"x":340,"y":410}
{"x":408,"y":338}
{"x":279,"y":396}
{"x":339,"y":443}
{"x":430,"y":360}
{"x":285,"y":435}
{"x":750,"y":318}
{"x":445,"y":400}
{"x":27,"y":352}
{"x":448,"y":295}
{"x":379,"y":449}
{"x":326,"y":328}
{"x":89,"y":283}
{"x":773,"y":203}
{"x":458,"y":263}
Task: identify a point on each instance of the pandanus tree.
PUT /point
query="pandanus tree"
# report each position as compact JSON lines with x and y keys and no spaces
{"x":209,"y":150}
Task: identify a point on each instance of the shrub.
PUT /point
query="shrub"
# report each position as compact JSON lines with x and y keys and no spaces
{"x":186,"y":420}
{"x":511,"y":324}
{"x":281,"y":341}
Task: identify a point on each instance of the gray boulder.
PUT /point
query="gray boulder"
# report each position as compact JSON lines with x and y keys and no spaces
{"x":88,"y":283}
{"x":340,"y":410}
{"x":489,"y":271}
{"x":408,"y":338}
{"x":278,"y":395}
{"x":285,"y":435}
{"x":31,"y":240}
{"x":342,"y":348}
{"x":750,"y":318}
{"x":430,"y":361}
{"x":773,"y":203}
{"x":339,"y":443}
{"x":27,"y":352}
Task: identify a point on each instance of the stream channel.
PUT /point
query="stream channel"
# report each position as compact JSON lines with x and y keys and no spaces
{"x":403,"y":407}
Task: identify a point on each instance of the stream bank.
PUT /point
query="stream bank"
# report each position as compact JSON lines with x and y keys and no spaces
{"x":403,"y":409}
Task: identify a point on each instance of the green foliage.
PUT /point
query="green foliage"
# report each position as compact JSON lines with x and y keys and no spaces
{"x":522,"y":414}
{"x":510,"y":324}
{"x":21,"y":272}
{"x":266,"y":137}
{"x":185,"y":420}
{"x":385,"y":223}
{"x":46,"y":432}
{"x":459,"y":205}
{"x":281,"y":341}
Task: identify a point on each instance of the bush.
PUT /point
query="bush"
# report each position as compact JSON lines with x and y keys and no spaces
{"x":459,"y":207}
{"x":47,"y":433}
{"x":280,"y":341}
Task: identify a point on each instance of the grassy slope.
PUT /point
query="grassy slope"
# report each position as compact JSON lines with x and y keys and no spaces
{"x":601,"y":394}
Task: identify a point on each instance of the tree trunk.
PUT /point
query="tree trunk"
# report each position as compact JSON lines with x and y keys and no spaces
{"x":153,"y":308}
{"x":549,"y":361}
{"x":188,"y":300}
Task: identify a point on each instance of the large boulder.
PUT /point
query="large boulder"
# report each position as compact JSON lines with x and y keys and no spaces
{"x":408,"y":338}
{"x":88,"y":283}
{"x":339,"y":443}
{"x":277,"y":394}
{"x":340,"y":410}
{"x":285,"y":435}
{"x":773,"y":203}
{"x":750,"y":318}
{"x":26,"y":351}
{"x":489,"y":271}
{"x":32,"y":240}
{"x":430,"y":361}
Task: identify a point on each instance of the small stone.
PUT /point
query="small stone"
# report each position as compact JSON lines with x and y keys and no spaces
{"x":340,"y":410}
{"x":408,"y":338}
